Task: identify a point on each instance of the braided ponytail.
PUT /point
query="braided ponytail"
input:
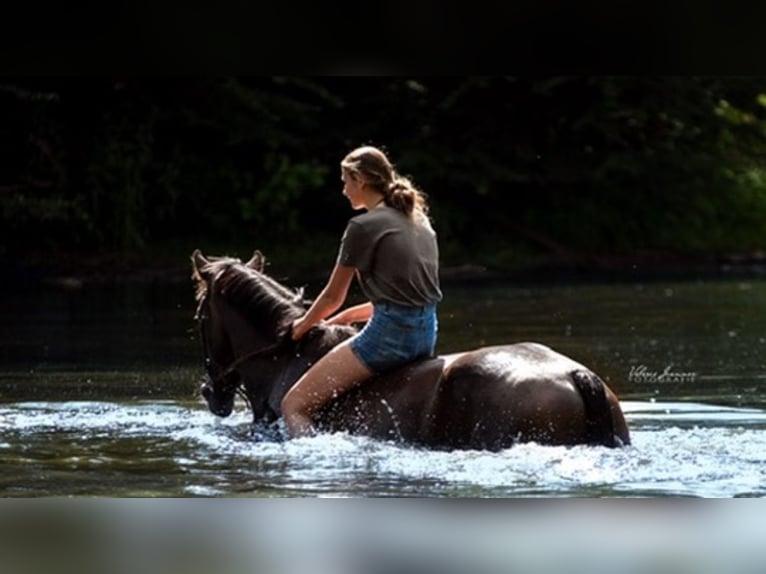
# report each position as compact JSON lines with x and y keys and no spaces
{"x":379,"y":173}
{"x":404,"y":196}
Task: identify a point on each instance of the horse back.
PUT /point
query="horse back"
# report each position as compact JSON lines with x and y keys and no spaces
{"x":488,"y":398}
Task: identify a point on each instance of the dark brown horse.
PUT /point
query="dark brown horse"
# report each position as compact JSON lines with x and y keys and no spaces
{"x":486,"y":398}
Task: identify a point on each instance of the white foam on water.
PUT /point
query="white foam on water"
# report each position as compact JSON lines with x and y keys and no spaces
{"x":91,"y":416}
{"x":678,"y":449}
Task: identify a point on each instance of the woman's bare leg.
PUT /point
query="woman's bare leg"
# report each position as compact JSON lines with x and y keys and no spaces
{"x":338,"y":371}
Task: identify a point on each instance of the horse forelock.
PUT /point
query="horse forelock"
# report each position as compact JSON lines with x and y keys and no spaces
{"x":257,"y":296}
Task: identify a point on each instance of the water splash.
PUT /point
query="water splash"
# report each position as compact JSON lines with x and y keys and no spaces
{"x":688,"y":449}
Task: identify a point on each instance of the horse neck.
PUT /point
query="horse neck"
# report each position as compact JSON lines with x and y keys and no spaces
{"x":244,"y":337}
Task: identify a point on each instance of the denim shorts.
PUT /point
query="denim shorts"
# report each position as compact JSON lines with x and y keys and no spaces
{"x":396,"y":334}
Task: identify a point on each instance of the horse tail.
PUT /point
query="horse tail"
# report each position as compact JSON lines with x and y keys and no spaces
{"x":599,"y":424}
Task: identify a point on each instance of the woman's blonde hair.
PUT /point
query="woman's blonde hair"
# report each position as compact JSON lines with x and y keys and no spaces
{"x":374,"y":168}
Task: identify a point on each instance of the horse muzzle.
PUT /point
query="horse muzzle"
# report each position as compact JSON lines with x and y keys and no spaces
{"x":220,"y":404}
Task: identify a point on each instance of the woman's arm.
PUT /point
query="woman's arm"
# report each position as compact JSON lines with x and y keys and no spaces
{"x":328,"y":301}
{"x":355,"y":314}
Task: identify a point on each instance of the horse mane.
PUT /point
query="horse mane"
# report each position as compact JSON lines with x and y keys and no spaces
{"x":260,"y":298}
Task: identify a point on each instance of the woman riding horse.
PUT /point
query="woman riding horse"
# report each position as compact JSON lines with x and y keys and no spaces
{"x":392,"y":248}
{"x":484,"y":398}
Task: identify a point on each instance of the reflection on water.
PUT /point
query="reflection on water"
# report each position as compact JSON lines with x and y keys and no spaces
{"x":97,"y":391}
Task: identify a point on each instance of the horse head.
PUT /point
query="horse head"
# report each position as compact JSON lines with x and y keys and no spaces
{"x":243,"y":315}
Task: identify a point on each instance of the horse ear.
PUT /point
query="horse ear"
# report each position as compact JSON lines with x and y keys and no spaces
{"x":257,"y":261}
{"x":198,"y":262}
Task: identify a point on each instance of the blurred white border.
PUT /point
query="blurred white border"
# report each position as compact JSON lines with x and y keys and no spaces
{"x":371,"y":536}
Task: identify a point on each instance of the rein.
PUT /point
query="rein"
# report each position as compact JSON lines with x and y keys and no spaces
{"x":223,"y":373}
{"x":246,"y":357}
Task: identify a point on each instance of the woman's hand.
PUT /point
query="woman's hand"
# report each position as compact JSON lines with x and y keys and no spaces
{"x":300,"y":327}
{"x":331,"y":297}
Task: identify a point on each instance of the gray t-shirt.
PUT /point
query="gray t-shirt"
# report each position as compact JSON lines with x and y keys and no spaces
{"x":397,"y":258}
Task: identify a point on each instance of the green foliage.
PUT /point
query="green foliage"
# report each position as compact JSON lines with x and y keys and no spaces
{"x":560,"y":166}
{"x":116,"y":180}
{"x":271,"y":206}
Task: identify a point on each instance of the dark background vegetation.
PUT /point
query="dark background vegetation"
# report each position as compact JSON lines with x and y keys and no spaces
{"x":107,"y":175}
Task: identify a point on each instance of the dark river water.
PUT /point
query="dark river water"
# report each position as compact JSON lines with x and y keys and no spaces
{"x":97,"y":398}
